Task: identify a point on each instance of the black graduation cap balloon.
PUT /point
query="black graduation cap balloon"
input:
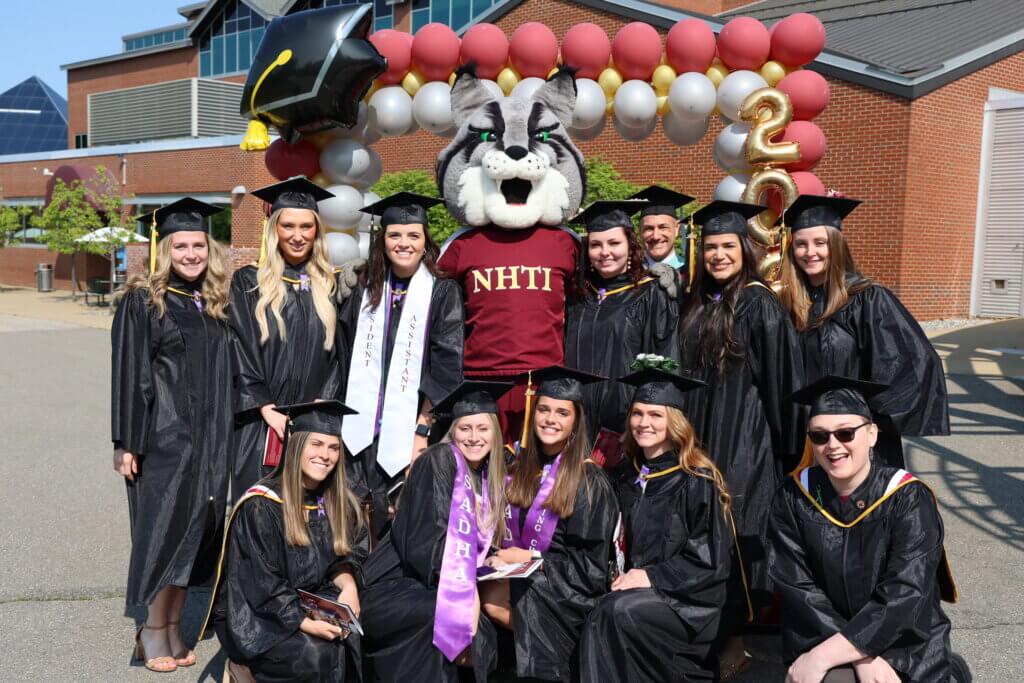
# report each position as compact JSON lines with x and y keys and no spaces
{"x":310,"y":73}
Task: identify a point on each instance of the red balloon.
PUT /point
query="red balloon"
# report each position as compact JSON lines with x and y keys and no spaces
{"x":395,"y":46}
{"x":534,"y":50}
{"x":435,"y":51}
{"x":690,"y":46}
{"x":797,"y":39}
{"x":744,"y":43}
{"x":808,"y":91}
{"x":587,"y":49}
{"x":486,"y":46}
{"x":807,"y":183}
{"x":812,"y":144}
{"x":636,"y":51}
{"x":284,"y":160}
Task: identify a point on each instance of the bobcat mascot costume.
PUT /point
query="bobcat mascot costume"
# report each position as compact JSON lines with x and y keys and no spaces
{"x":513,"y":178}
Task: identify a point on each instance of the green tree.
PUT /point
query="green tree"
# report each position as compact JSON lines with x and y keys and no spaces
{"x":442,"y":225}
{"x":605,"y":182}
{"x":12,"y":220}
{"x":76,"y":209}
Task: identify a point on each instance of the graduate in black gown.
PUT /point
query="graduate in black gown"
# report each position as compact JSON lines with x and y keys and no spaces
{"x":619,"y":312}
{"x":298,"y":529}
{"x":857,"y":554}
{"x":171,"y":420}
{"x":660,"y":621}
{"x":421,"y":607}
{"x":284,"y":315}
{"x":851,"y":326}
{"x":738,"y":339}
{"x":561,"y":508}
{"x":395,"y":376}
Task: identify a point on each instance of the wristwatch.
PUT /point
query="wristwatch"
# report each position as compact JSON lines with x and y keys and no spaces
{"x":422,"y":430}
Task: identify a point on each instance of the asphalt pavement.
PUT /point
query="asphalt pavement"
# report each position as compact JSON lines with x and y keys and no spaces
{"x":64,"y":540}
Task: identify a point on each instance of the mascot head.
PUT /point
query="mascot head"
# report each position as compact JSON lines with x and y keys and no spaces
{"x":512,"y":163}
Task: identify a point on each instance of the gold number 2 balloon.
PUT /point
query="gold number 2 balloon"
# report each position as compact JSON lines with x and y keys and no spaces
{"x":769,"y":111}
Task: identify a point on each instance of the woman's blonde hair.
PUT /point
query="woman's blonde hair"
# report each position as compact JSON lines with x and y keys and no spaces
{"x":216,"y":285}
{"x":796,"y":289}
{"x":340,"y":504}
{"x":692,"y":458}
{"x":274,"y":292}
{"x":495,"y":477}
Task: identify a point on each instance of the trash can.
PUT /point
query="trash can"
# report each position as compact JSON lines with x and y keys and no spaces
{"x":44,"y":277}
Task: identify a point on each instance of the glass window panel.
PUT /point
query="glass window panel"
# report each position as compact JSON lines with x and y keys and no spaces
{"x":204,"y":64}
{"x":420,"y":18}
{"x":439,"y":11}
{"x":232,"y":9}
{"x":461,"y":13}
{"x":158,"y":39}
{"x":230,"y":53}
{"x":255,"y":36}
{"x":147,"y":41}
{"x":243,"y":24}
{"x":244,"y":56}
{"x":217,"y":65}
{"x":179,"y":34}
{"x":381,"y":23}
{"x":420,"y":4}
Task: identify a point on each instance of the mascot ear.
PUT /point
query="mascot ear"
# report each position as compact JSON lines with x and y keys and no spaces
{"x":468,"y":94}
{"x":559,"y":95}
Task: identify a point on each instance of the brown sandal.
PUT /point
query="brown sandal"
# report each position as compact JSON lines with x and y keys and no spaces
{"x":161,"y":665}
{"x":187,"y":659}
{"x":735,"y":668}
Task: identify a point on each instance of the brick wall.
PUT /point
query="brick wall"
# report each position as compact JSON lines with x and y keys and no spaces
{"x":18,"y":267}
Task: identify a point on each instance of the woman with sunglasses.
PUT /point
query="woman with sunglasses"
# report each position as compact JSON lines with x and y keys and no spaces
{"x":857,"y":554}
{"x":854,"y":327}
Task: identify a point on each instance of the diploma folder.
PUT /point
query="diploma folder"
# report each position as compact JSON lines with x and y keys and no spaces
{"x":319,"y":608}
{"x":272,"y":449}
{"x":515,"y":570}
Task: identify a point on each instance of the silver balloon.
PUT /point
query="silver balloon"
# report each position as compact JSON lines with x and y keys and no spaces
{"x":371,"y":174}
{"x":525,"y":88}
{"x":342,"y":211}
{"x":364,"y":245}
{"x":590,"y":104}
{"x":636,"y":134}
{"x":588,"y":133}
{"x":492,"y":87}
{"x":341,"y":247}
{"x":692,"y":96}
{"x":636,"y":105}
{"x":432,"y":107}
{"x":728,"y":151}
{"x":731,"y":187}
{"x":391,"y":111}
{"x":734,"y":88}
{"x":344,"y":161}
{"x":682,"y":131}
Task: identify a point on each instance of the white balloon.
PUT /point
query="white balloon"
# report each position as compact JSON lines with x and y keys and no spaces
{"x":356,"y":131}
{"x":692,"y":96}
{"x":391,"y":111}
{"x":341,"y":247}
{"x":731,"y":187}
{"x":636,"y":104}
{"x":432,"y":107}
{"x":590,"y":104}
{"x":683,"y":131}
{"x":370,"y":134}
{"x":345,"y":160}
{"x":728,"y":151}
{"x":636,"y":134}
{"x":525,"y":88}
{"x":364,"y":245}
{"x":734,"y":88}
{"x":372,"y":174}
{"x":492,"y":87}
{"x":342,"y":211}
{"x":588,"y":133}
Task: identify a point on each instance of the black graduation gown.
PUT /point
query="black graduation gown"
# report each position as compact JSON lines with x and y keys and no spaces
{"x":171,"y":407}
{"x":877,"y":582}
{"x":298,"y":370}
{"x":401,"y":577}
{"x":442,"y":372}
{"x":257,"y":612}
{"x":874,"y":338}
{"x":549,"y":607}
{"x":605,"y":337}
{"x":749,"y":427}
{"x":675,"y":530}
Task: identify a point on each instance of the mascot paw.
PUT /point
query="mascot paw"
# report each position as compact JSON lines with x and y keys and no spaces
{"x":348,"y":278}
{"x":668,"y":278}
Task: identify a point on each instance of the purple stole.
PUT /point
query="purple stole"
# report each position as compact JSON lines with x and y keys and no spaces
{"x":540,"y":523}
{"x":465,"y":548}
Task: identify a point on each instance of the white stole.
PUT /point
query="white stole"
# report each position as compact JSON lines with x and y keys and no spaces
{"x":401,"y":389}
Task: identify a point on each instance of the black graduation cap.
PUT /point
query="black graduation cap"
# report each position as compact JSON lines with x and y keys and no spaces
{"x":605,"y":214}
{"x":472,"y":397}
{"x":402,"y":208}
{"x":663,"y":201}
{"x":660,"y":387}
{"x":186,"y":214}
{"x":721,"y":217}
{"x":295,"y":193}
{"x":323,"y":417}
{"x":812,"y":210}
{"x":835,"y":395}
{"x":562,"y":383}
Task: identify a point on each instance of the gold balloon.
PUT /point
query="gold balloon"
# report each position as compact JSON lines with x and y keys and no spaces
{"x":662,"y":79}
{"x":507,"y":79}
{"x":321,"y":180}
{"x":609,"y":106}
{"x":663,"y":105}
{"x":773,"y":72}
{"x":413,"y":81}
{"x":769,"y":111}
{"x":762,"y":226}
{"x":609,"y":80}
{"x":770,"y":265}
{"x":717,"y":71}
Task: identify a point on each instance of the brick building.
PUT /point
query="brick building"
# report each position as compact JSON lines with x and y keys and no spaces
{"x":925,"y":124}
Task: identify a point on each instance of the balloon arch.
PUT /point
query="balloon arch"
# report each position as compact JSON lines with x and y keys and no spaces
{"x":750,"y":75}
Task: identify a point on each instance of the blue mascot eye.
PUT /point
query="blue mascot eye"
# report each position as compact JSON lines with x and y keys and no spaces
{"x":488,"y":136}
{"x":543,"y":136}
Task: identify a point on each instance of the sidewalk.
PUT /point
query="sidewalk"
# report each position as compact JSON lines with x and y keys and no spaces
{"x":995,"y":348}
{"x":53,"y":306}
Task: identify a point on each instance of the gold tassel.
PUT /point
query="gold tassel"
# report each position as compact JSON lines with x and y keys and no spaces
{"x":526,"y":415}
{"x":152,"y":245}
{"x":691,"y":245}
{"x":263,"y":244}
{"x":256,"y":137}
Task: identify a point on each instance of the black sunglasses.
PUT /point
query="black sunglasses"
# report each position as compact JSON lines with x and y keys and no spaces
{"x":820,"y":437}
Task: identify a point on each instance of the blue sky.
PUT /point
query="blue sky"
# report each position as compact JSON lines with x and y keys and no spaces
{"x":37,"y":36}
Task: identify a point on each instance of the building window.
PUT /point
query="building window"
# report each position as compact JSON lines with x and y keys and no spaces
{"x":162,"y":37}
{"x":383,"y":14}
{"x":81,"y":141}
{"x":231,"y":41}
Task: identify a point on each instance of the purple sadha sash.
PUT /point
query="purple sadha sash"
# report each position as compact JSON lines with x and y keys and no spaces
{"x":540,"y":523}
{"x":465,"y":547}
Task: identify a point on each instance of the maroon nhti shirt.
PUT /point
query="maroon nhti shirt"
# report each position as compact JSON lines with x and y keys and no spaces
{"x":514,"y":283}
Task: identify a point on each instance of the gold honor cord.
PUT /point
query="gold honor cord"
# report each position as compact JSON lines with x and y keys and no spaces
{"x":691,"y":260}
{"x":152,"y":245}
{"x":263,"y":244}
{"x":619,"y":290}
{"x":526,"y":415}
{"x":256,"y":136}
{"x":182,"y":292}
